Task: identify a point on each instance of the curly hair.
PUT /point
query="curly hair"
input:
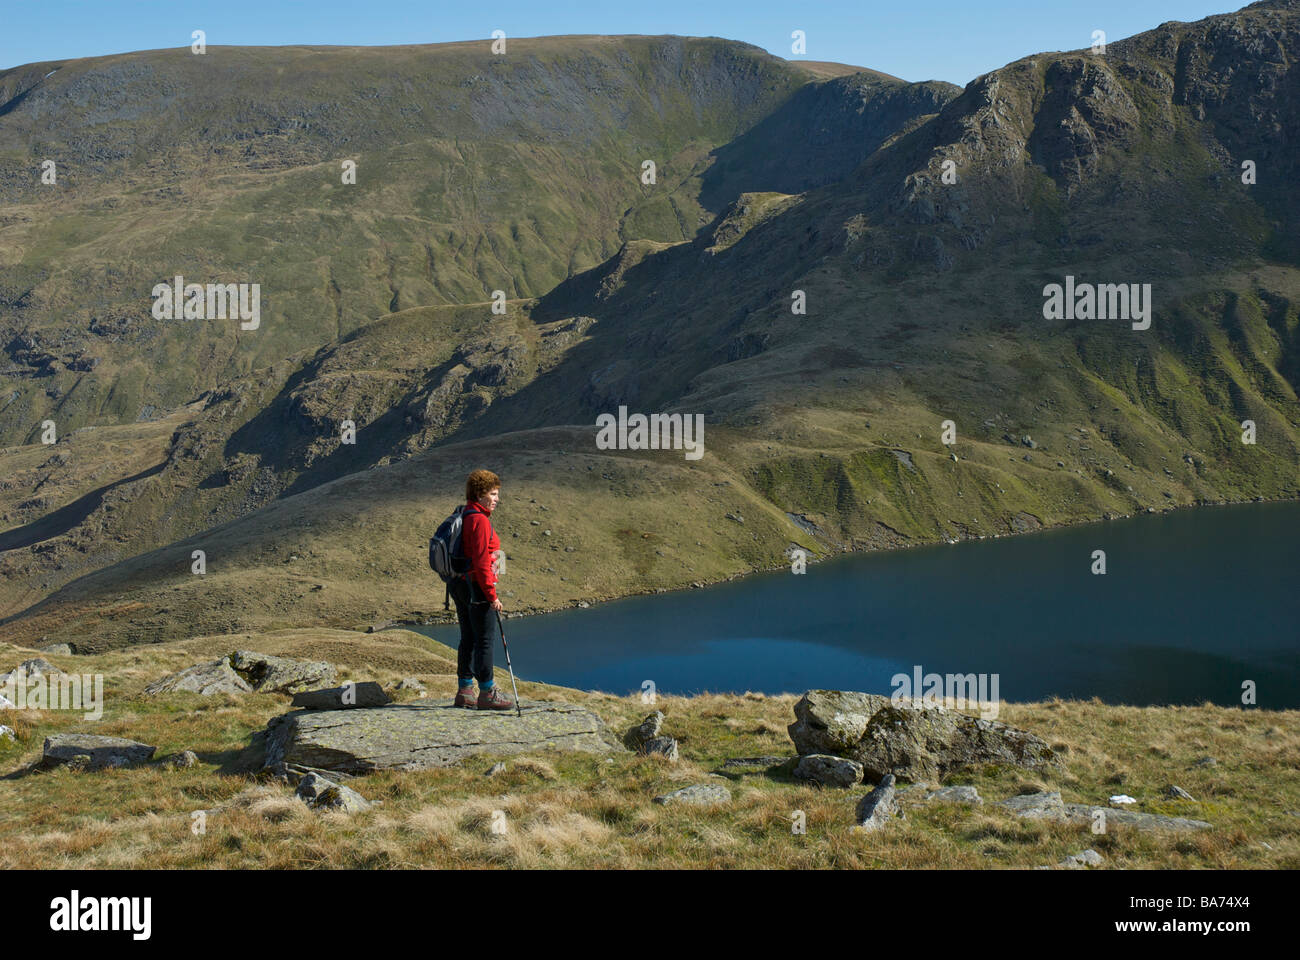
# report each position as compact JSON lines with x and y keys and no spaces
{"x":479,"y":483}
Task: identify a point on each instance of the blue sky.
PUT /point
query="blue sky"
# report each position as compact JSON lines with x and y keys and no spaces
{"x":953,"y":40}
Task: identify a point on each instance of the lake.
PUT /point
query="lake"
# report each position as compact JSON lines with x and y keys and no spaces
{"x":1194,"y":603}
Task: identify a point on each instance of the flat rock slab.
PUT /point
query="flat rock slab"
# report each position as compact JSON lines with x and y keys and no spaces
{"x":1082,"y":813}
{"x":418,"y":736}
{"x":1045,"y":805}
{"x":94,"y":752}
{"x":699,"y":794}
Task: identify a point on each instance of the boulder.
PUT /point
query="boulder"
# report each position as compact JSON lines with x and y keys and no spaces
{"x":347,"y":697}
{"x":321,"y":794}
{"x":833,"y":721}
{"x":268,"y":674}
{"x":828,"y":770}
{"x":1174,"y":792}
{"x":63,"y":648}
{"x":913,"y":742}
{"x":218,"y":676}
{"x":879,"y":806}
{"x":93,"y":752}
{"x":36,"y":667}
{"x":420,"y":735}
{"x":700,"y":794}
{"x":7,"y":733}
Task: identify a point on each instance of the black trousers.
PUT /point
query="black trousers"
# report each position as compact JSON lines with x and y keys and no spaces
{"x":478,"y":631}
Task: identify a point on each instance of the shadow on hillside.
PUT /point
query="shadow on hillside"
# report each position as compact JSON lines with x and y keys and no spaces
{"x":66,"y":518}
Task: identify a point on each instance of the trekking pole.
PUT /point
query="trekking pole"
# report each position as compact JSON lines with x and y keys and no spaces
{"x":502,"y":628}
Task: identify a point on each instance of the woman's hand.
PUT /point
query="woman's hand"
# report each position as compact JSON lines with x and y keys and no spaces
{"x":496,"y":605}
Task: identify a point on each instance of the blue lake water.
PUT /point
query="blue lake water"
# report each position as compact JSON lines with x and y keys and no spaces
{"x":1193,"y":603}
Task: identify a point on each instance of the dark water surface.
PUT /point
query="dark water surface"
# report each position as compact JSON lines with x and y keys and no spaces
{"x":1194,"y":602}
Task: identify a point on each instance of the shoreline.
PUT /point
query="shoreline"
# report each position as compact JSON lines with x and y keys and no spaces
{"x":848,"y":551}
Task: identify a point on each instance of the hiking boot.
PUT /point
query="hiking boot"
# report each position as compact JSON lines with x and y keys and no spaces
{"x":494,"y":699}
{"x":465,"y":698}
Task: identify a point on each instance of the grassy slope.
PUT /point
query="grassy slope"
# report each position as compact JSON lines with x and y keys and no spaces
{"x":802,"y":412}
{"x":578,"y":811}
{"x":475,"y":173}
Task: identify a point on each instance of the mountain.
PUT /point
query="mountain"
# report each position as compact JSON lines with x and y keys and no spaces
{"x":925,"y":304}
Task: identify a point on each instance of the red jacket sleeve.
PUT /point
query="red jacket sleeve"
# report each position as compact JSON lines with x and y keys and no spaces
{"x":478,"y":540}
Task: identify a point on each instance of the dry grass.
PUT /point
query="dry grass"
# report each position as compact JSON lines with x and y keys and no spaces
{"x":581,"y":811}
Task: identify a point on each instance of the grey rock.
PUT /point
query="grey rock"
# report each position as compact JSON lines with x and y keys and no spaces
{"x":1082,"y":860}
{"x":1206,"y":762}
{"x":411,"y":683}
{"x":828,"y":770}
{"x":666,"y":746}
{"x":496,"y":768}
{"x":268,"y":674}
{"x":647,"y":729}
{"x":347,"y":697}
{"x":29,"y":669}
{"x":1044,"y":805}
{"x":911,"y":742}
{"x":833,"y":721}
{"x":1146,"y":822}
{"x":322,"y":794}
{"x":216,"y":676}
{"x":1177,"y":793}
{"x":93,"y":752}
{"x":7,"y":733}
{"x":700,"y":794}
{"x":959,"y":794}
{"x":421,"y":735}
{"x":182,"y":760}
{"x":879,"y":806}
{"x":57,"y":648}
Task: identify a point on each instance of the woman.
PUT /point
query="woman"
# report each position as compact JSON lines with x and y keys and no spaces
{"x":475,"y":594}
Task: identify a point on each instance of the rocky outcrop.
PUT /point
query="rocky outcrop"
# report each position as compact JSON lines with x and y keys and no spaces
{"x":419,"y":735}
{"x":910,"y":742}
{"x":268,"y":674}
{"x":247,"y":672}
{"x":217,"y":676}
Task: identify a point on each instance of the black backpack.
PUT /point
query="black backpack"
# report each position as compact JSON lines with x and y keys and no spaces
{"x":446,"y":558}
